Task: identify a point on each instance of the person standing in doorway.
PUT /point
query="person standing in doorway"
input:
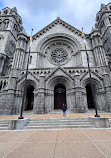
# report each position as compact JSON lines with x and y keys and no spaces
{"x":64,"y":108}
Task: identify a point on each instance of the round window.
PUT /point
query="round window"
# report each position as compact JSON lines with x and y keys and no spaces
{"x":59,"y":55}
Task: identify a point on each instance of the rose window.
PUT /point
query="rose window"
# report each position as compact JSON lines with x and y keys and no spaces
{"x":59,"y":55}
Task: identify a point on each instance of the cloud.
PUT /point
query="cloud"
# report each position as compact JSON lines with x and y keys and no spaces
{"x":37,"y":14}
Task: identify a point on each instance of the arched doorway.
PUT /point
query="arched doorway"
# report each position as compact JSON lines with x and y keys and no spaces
{"x":59,"y":96}
{"x":90,"y":101}
{"x":29,"y":98}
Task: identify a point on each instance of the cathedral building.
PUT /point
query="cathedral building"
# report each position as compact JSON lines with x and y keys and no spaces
{"x":58,"y":71}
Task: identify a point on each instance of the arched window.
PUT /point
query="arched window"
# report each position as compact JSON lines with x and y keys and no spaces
{"x":109,"y":64}
{"x":4,"y":84}
{"x":0,"y":24}
{"x":30,"y":60}
{"x":6,"y":12}
{"x":110,"y":19}
{"x":6,"y":23}
{"x":15,"y":27}
{"x":0,"y":85}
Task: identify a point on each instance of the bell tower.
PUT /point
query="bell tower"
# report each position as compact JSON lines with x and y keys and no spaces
{"x":10,"y":26}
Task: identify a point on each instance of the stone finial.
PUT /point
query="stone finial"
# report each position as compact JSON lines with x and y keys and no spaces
{"x":14,"y":9}
{"x":102,"y":5}
{"x":58,"y":17}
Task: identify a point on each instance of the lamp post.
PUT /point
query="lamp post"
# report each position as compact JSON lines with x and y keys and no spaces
{"x":25,"y":81}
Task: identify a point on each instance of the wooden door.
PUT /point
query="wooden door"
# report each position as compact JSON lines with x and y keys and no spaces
{"x":90,"y":101}
{"x":59,"y":96}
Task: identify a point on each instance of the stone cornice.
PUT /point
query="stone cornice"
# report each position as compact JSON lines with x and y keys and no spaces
{"x":97,"y":46}
{"x":21,"y":49}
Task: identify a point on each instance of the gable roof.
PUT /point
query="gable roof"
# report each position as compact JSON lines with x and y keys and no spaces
{"x":62,"y":70}
{"x":55,"y":22}
{"x":22,"y":77}
{"x":94,"y":73}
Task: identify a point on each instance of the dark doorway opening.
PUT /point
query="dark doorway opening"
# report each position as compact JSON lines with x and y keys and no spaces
{"x":90,"y":101}
{"x":30,"y":98}
{"x":59,"y":96}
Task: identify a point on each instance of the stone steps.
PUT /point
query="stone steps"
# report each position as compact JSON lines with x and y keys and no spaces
{"x":109,"y":121}
{"x":1,"y":123}
{"x":4,"y":124}
{"x":59,"y":127}
{"x":59,"y":120}
{"x":59,"y":123}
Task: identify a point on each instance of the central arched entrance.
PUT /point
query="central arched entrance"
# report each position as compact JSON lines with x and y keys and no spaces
{"x":90,"y":101}
{"x":59,"y":96}
{"x":30,"y":98}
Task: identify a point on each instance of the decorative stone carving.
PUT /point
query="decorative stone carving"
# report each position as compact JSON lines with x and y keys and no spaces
{"x":59,"y":55}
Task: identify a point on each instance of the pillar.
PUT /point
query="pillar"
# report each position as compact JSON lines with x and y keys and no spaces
{"x":107,"y":86}
{"x":41,"y":95}
{"x":79,"y":98}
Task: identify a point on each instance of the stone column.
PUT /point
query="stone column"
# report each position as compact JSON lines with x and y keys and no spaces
{"x":35,"y":102}
{"x":99,"y":52}
{"x":107,"y":86}
{"x":41,"y":95}
{"x":79,"y":98}
{"x":11,"y":91}
{"x":37,"y":60}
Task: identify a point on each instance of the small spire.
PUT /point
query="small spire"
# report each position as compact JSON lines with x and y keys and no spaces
{"x":102,"y":6}
{"x":14,"y":9}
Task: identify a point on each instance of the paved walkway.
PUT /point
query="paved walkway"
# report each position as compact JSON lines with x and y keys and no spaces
{"x":46,"y":116}
{"x":76,"y":143}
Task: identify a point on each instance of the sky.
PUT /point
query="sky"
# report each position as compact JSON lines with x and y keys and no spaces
{"x":37,"y":14}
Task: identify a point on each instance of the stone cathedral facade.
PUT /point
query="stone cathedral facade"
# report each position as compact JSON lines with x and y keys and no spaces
{"x":58,"y":71}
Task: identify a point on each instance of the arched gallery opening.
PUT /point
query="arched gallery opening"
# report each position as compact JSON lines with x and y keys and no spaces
{"x":90,"y":101}
{"x":29,"y":98}
{"x":59,"y":96}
